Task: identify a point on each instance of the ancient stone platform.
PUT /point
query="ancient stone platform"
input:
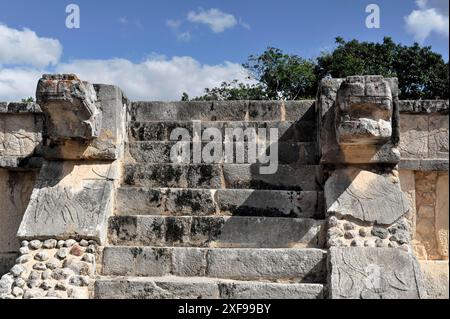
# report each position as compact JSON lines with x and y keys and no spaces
{"x":94,"y":205}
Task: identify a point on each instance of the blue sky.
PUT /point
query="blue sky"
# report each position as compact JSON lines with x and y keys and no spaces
{"x":158,"y":41}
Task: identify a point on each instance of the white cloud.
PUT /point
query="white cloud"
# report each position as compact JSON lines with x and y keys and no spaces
{"x":174,"y":24}
{"x":27,"y":48}
{"x":123,"y":20}
{"x":217,"y":20}
{"x":18,"y":83}
{"x":244,"y":24}
{"x":432,"y":16}
{"x":156,"y":78}
{"x":184,"y":36}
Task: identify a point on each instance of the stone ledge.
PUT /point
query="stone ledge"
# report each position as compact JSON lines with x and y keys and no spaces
{"x":200,"y":288}
{"x":15,"y":162}
{"x":240,"y":110}
{"x":19,"y":107}
{"x":424,"y":164}
{"x":424,"y":106}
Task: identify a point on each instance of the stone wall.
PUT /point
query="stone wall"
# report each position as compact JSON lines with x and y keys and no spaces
{"x":424,"y":146}
{"x":81,"y":158}
{"x":424,"y":129}
{"x":21,"y":137}
{"x":21,"y":134}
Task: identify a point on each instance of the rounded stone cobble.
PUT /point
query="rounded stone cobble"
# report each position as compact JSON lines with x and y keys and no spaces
{"x":24,"y":250}
{"x":51,"y":268}
{"x":39,"y":266}
{"x":35,"y":275}
{"x":17,"y":292}
{"x":69,"y":243}
{"x":379,"y":232}
{"x":17,"y":270}
{"x":89,"y":258}
{"x":35,"y":244}
{"x":50,"y":243}
{"x":363,"y":232}
{"x":84,"y":243}
{"x":53,"y":263}
{"x":20,"y":282}
{"x":76,"y":250}
{"x":349,"y":226}
{"x":23,"y":259}
{"x":47,"y":274}
{"x":353,"y":234}
{"x":61,"y":253}
{"x":41,"y":256}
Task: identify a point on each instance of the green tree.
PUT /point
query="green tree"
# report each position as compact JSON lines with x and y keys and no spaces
{"x":279,"y":76}
{"x":421,"y":72}
{"x":283,"y":76}
{"x":28,"y":100}
{"x":233,"y":91}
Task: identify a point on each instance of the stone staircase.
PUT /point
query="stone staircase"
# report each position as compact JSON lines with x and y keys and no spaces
{"x":217,"y":230}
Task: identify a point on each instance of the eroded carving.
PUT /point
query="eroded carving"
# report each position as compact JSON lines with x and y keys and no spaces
{"x":364,"y":111}
{"x":70,"y":105}
{"x":365,"y":195}
{"x":374,"y":273}
{"x":358,"y":120}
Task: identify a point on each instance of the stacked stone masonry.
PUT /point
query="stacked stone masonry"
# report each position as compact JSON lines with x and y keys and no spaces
{"x":95,"y":207}
{"x":52,"y":269}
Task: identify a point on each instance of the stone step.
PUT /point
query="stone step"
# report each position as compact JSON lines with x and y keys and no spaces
{"x":157,"y":152}
{"x":224,"y":111}
{"x":205,"y":202}
{"x":217,"y":176}
{"x":216,"y":231}
{"x":200,"y":288}
{"x":278,"y":265}
{"x":288,"y":131}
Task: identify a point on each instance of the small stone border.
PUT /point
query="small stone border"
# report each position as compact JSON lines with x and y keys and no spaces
{"x":63,"y":269}
{"x":345,"y":233}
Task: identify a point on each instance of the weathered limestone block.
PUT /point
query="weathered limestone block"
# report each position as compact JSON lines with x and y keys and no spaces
{"x":442,"y":212}
{"x":201,"y":288}
{"x":70,"y":200}
{"x":364,"y":109}
{"x":408,"y":186}
{"x":109,"y":142}
{"x":436,"y":277}
{"x":438,"y":144}
{"x":20,"y":134}
{"x":357,"y":119}
{"x":374,"y":273}
{"x":70,"y":105}
{"x":431,"y":237}
{"x":15,"y":192}
{"x":414,"y":136}
{"x":424,"y":106}
{"x":366,"y":196}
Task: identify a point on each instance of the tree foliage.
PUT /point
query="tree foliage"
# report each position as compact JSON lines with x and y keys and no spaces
{"x":422,"y":73}
{"x":283,"y":76}
{"x":233,"y":90}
